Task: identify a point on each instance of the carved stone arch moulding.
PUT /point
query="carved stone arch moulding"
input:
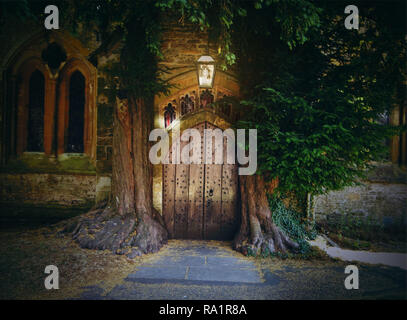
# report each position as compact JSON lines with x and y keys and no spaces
{"x":89,"y":73}
{"x":192,"y":100}
{"x":35,"y":42}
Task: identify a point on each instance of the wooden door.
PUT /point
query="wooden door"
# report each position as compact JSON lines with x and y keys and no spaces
{"x":199,"y":200}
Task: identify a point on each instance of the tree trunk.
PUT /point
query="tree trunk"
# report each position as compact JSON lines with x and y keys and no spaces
{"x":258,"y":234}
{"x":127,"y":224}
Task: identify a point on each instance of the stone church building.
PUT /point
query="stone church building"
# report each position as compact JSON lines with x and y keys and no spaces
{"x":56,"y":133}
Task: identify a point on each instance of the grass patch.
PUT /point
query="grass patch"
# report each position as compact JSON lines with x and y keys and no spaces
{"x":365,"y":233}
{"x":375,"y":246}
{"x":40,"y":163}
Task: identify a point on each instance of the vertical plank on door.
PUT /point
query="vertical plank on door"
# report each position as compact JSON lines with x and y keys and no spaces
{"x":213,"y":193}
{"x":229,"y":194}
{"x":196,"y":190}
{"x":169,"y":193}
{"x":181,"y":198}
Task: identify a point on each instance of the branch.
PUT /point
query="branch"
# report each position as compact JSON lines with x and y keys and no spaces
{"x":107,"y":46}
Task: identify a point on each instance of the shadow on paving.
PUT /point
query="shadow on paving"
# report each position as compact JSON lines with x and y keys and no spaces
{"x":210,"y":270}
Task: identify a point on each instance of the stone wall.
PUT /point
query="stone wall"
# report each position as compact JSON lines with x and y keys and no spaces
{"x":183,"y":45}
{"x":381,"y":200}
{"x":48,"y":189}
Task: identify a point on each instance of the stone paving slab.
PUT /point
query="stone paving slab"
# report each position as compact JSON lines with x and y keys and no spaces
{"x":228,"y":261}
{"x":197,"y":263}
{"x":179,"y":261}
{"x":220,"y":273}
{"x":196,"y":250}
{"x":167,"y":272}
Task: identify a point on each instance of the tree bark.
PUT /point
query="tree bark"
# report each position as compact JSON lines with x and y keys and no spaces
{"x":258,"y":234}
{"x":127,"y":224}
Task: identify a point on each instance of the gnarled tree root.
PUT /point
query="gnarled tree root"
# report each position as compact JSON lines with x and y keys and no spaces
{"x":258,"y":234}
{"x":103,"y":229}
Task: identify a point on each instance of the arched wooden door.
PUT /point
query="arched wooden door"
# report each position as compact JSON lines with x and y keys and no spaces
{"x":199,"y":200}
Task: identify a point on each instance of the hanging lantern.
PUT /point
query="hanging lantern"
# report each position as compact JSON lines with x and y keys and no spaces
{"x":206,"y":71}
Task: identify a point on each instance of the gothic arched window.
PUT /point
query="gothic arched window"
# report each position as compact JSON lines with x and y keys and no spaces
{"x":52,"y":103}
{"x":187,"y":104}
{"x":35,"y":134}
{"x":206,"y":98}
{"x":169,"y":115}
{"x":76,"y":113}
{"x":77,"y":109}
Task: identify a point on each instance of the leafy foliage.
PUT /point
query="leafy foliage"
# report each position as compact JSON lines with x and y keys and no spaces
{"x":317,"y":106}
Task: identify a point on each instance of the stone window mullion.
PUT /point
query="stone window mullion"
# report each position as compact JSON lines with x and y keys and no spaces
{"x":49,"y":115}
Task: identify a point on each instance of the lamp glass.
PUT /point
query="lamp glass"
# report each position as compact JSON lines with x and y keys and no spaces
{"x":206,"y":71}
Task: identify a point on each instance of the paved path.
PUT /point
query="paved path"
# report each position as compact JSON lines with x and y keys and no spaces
{"x":210,"y":270}
{"x":196,"y":263}
{"x":391,"y":259}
